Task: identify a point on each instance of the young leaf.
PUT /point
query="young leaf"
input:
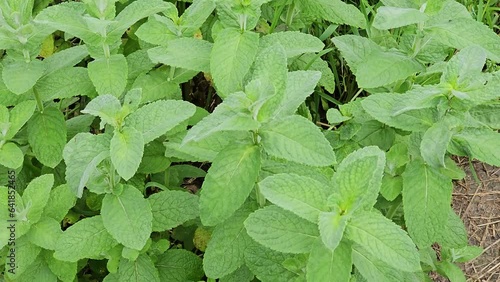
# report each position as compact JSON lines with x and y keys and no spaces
{"x":82,"y":154}
{"x":383,"y":238}
{"x":109,"y":75}
{"x":19,"y":115}
{"x":228,"y":183}
{"x":296,"y":139}
{"x":187,"y":53}
{"x":232,"y":56}
{"x":128,"y":217}
{"x":331,"y":227}
{"x":36,"y":196}
{"x":195,"y":15}
{"x":434,"y":144}
{"x":20,"y":77}
{"x":267,"y":264}
{"x":451,"y":270}
{"x":301,"y":195}
{"x":179,"y":265}
{"x":11,"y":156}
{"x":47,"y":136}
{"x":295,"y":43}
{"x":281,"y":230}
{"x":313,"y":63}
{"x":393,"y":17}
{"x":172,"y":208}
{"x":155,"y":119}
{"x":226,"y":248}
{"x":87,"y":238}
{"x":426,"y":200}
{"x":60,"y":201}
{"x":126,"y":149}
{"x":140,"y":270}
{"x":326,"y":265}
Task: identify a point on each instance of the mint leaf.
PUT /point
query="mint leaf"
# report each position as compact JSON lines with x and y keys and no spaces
{"x":140,"y":270}
{"x":372,"y":268}
{"x":295,"y":138}
{"x":327,"y":265}
{"x":454,"y":235}
{"x":393,"y":17}
{"x":480,"y":143}
{"x":64,"y":59}
{"x":127,"y":217}
{"x":155,"y":119}
{"x":380,"y":236}
{"x":61,"y":200}
{"x":187,"y":53}
{"x":36,"y":196}
{"x":335,"y":11}
{"x":281,"y":230}
{"x":267,"y":264}
{"x":11,"y":156}
{"x":64,"y":270}
{"x":295,"y":43}
{"x":426,"y":200}
{"x":82,"y":154}
{"x":434,"y":144}
{"x":107,"y":107}
{"x":232,"y":56}
{"x":65,"y":83}
{"x":301,"y":195}
{"x":109,"y":75}
{"x":45,"y":233}
{"x":179,"y":265}
{"x":126,"y":148}
{"x":225,"y":250}
{"x":26,"y":259}
{"x":327,"y":79}
{"x":172,"y":208}
{"x":331,"y":227}
{"x":19,"y":115}
{"x":47,"y":136}
{"x":20,"y":77}
{"x":195,"y":15}
{"x":228,"y":182}
{"x":87,"y":238}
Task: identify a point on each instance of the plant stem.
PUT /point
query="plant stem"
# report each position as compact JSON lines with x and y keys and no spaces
{"x":38,"y":100}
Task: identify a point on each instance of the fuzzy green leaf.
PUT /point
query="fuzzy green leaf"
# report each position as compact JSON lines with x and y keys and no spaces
{"x":109,"y":75}
{"x":383,"y":238}
{"x":47,"y":136}
{"x":335,"y":11}
{"x":393,"y":17}
{"x":60,"y":201}
{"x":172,"y":208}
{"x":36,"y":196}
{"x":65,"y":83}
{"x":301,"y":195}
{"x":45,"y":233}
{"x":20,"y":77}
{"x":126,"y":150}
{"x":281,"y":230}
{"x":128,"y":217}
{"x":295,"y":43}
{"x":232,"y":56}
{"x":87,"y":238}
{"x":179,"y":265}
{"x":228,"y":182}
{"x":267,"y":264}
{"x":481,"y":144}
{"x":331,"y":227}
{"x":325,"y":265}
{"x":140,"y":270}
{"x":296,"y":139}
{"x":11,"y":156}
{"x":19,"y":115}
{"x":187,"y":53}
{"x":434,"y":144}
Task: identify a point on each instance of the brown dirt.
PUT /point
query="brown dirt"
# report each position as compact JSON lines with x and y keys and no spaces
{"x":479,"y":208}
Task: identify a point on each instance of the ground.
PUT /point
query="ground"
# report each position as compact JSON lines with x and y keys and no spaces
{"x":479,"y":207}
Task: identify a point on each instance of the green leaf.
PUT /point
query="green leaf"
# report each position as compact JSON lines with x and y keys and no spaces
{"x":296,"y":139}
{"x":466,"y":253}
{"x":172,"y":208}
{"x":231,"y":115}
{"x":242,"y":274}
{"x":65,"y":271}
{"x":326,"y":265}
{"x":61,"y":200}
{"x":19,"y":115}
{"x":434,"y":144}
{"x":140,"y":270}
{"x":154,"y":160}
{"x":228,"y":182}
{"x":155,"y":86}
{"x":65,"y":83}
{"x":157,"y":30}
{"x":135,"y":11}
{"x":356,"y":49}
{"x":391,"y":187}
{"x":426,"y":200}
{"x":26,"y":259}
{"x":454,"y":234}
{"x":331,"y":227}
{"x":335,"y":117}
{"x":45,"y":233}
{"x":335,"y":11}
{"x":126,"y":150}
{"x":188,"y":53}
{"x":36,"y":196}
{"x":87,"y":238}
{"x":488,"y":114}
{"x":155,"y":119}
{"x":463,"y":32}
{"x":128,"y":217}
{"x":179,"y":265}
{"x":65,"y":59}
{"x":20,"y":77}
{"x":195,"y":15}
{"x":267,"y":264}
{"x":358,"y":179}
{"x":301,"y":195}
{"x":109,"y":75}
{"x":374,"y":269}
{"x":295,"y":43}
{"x":393,"y":17}
{"x":81,"y":155}
{"x":232,"y":56}
{"x":383,"y":238}
{"x":226,"y":248}
{"x":47,"y":136}
{"x":107,"y":107}
{"x":281,"y":230}
{"x":480,"y":143}
{"x":11,"y":156}
{"x":78,"y":124}
{"x":451,"y":270}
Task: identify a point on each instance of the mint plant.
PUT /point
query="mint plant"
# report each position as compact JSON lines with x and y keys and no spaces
{"x":155,"y":140}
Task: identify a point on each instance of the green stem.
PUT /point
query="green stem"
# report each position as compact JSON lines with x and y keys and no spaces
{"x":260,"y":198}
{"x":276,"y":18}
{"x":289,"y":15}
{"x":38,"y":100}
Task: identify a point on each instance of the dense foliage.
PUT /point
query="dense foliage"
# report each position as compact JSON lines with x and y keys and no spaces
{"x":111,"y":112}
